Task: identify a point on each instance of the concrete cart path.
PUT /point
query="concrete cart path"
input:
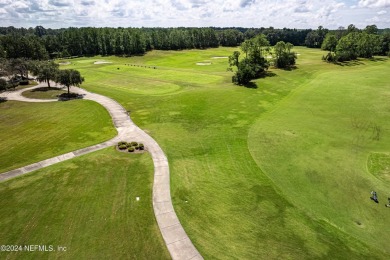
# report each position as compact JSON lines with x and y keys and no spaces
{"x":176,"y":239}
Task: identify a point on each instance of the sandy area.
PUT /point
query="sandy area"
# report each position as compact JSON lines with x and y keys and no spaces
{"x":101,"y":62}
{"x":64,"y":63}
{"x":220,"y":57}
{"x":203,"y":63}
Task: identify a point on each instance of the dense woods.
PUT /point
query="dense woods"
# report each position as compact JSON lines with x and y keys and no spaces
{"x":18,"y":45}
{"x":350,"y":43}
{"x":356,"y":43}
{"x":41,"y":43}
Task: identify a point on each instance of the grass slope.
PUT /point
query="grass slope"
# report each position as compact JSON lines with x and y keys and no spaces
{"x":228,"y":206}
{"x":87,"y":205}
{"x":30,"y":132}
{"x":316,"y":144}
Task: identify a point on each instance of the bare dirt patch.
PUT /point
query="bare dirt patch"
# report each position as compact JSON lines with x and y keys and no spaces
{"x":64,"y":63}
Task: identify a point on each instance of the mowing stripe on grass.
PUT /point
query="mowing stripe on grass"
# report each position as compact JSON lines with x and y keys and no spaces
{"x":176,"y":239}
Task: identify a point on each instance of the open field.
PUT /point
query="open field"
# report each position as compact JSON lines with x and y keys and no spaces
{"x":226,"y":189}
{"x":31,"y":132}
{"x":88,"y":205}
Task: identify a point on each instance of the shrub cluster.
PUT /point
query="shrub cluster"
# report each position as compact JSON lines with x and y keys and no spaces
{"x":130,"y":146}
{"x":65,"y":96}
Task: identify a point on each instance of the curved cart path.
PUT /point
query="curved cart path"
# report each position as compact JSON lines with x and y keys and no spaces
{"x":176,"y":239}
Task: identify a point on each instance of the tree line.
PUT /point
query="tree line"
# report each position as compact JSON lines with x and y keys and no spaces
{"x":350,"y":43}
{"x":41,"y":43}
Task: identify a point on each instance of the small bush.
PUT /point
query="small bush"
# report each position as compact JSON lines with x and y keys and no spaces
{"x":134,"y":144}
{"x":141,"y":146}
{"x":122,"y":143}
{"x":70,"y":96}
{"x":122,"y":147}
{"x":131,"y":149}
{"x":23,"y":82}
{"x":330,"y":57}
{"x":3,"y":84}
{"x":128,"y":145}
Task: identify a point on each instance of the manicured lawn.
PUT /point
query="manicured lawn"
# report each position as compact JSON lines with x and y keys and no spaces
{"x":235,"y":196}
{"x":315,"y":147}
{"x":44,"y":93}
{"x":88,"y":205}
{"x":31,"y":132}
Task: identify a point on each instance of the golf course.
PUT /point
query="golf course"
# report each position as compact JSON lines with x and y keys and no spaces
{"x":280,"y":169}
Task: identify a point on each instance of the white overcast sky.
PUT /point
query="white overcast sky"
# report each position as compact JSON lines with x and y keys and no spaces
{"x":195,"y":13}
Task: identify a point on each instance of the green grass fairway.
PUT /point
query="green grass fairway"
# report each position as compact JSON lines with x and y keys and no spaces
{"x":44,"y":93}
{"x":315,"y":147}
{"x":239,"y":200}
{"x":88,"y":205}
{"x":31,"y":132}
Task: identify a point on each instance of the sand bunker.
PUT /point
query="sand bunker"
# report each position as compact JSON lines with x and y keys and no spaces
{"x":101,"y":62}
{"x":64,"y":63}
{"x":220,"y":57}
{"x":203,"y":63}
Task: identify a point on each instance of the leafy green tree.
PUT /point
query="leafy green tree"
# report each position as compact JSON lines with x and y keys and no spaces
{"x":346,"y":48}
{"x":69,"y":78}
{"x":283,"y":56}
{"x":254,"y":63}
{"x":357,"y":44}
{"x":2,"y":51}
{"x":234,"y":59}
{"x":3,"y":84}
{"x":45,"y":71}
{"x":230,"y":37}
{"x":352,"y":29}
{"x":4,"y":67}
{"x":19,"y":67}
{"x":371,"y":29}
{"x":245,"y":73}
{"x":315,"y":38}
{"x":330,"y":42}
{"x":246,"y":46}
{"x":368,"y":45}
{"x":385,"y":44}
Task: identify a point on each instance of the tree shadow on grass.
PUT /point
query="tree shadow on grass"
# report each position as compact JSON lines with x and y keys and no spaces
{"x":267,"y":74}
{"x":70,"y":96}
{"x":250,"y":85}
{"x":290,"y":68}
{"x":349,"y":63}
{"x":376,"y":59}
{"x":263,"y":75}
{"x":45,"y":89}
{"x":3,"y":99}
